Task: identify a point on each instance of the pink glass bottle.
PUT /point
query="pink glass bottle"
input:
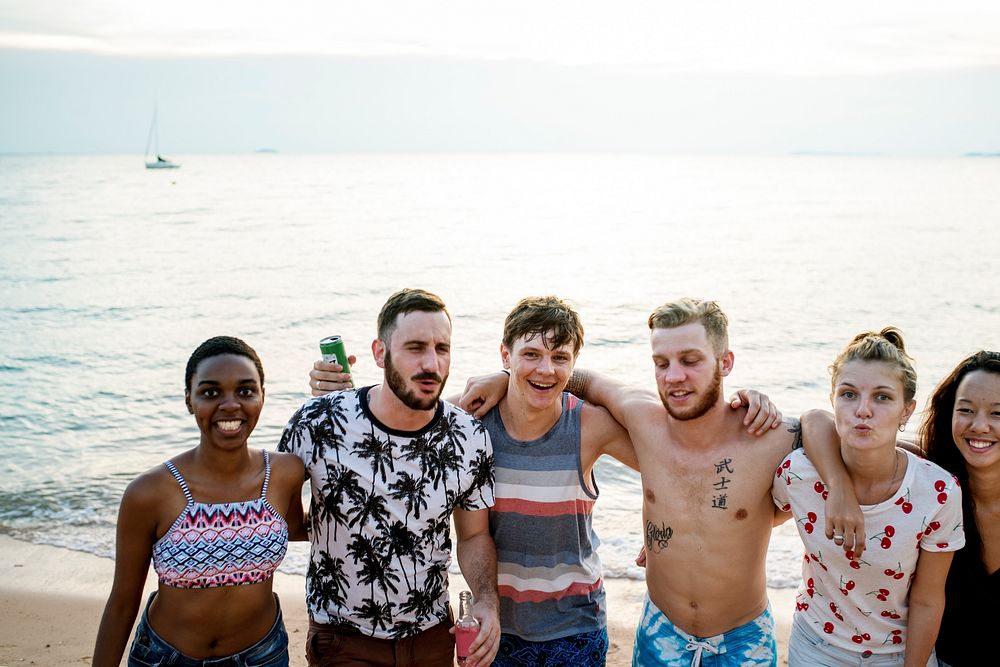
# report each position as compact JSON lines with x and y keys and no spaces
{"x":466,"y":627}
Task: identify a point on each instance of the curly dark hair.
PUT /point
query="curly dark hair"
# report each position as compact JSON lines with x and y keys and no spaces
{"x":215,"y":346}
{"x":937,"y":440}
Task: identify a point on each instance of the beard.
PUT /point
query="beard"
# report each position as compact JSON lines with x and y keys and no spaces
{"x":394,"y":380}
{"x":707,"y":401}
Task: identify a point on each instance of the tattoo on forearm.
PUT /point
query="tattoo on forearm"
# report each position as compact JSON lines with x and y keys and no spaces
{"x":577,"y":384}
{"x":795,"y":428}
{"x":658,"y":537}
{"x":722,"y":483}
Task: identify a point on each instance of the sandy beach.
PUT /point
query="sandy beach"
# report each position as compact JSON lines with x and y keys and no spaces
{"x":52,"y":600}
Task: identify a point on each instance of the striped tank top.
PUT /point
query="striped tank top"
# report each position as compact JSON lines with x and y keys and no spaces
{"x":550,"y":580}
{"x":221,"y":544}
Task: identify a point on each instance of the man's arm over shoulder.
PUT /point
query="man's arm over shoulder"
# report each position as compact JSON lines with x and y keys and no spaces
{"x":602,"y":434}
{"x":625,"y":403}
{"x":761,"y":414}
{"x":482,"y":392}
{"x":775,"y":444}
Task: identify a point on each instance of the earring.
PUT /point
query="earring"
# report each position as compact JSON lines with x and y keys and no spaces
{"x":902,"y":427}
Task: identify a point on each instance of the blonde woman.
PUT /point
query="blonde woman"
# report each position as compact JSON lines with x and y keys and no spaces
{"x":885,"y":607}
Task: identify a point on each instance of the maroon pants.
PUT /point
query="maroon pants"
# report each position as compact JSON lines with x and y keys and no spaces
{"x":337,"y":646}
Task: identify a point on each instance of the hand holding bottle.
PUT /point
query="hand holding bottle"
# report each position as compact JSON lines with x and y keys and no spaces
{"x":484,"y":642}
{"x":466,"y":627}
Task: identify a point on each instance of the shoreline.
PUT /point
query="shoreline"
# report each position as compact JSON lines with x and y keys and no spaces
{"x":52,"y":599}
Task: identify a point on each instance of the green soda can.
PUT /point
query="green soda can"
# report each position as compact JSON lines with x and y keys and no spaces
{"x":332,"y":349}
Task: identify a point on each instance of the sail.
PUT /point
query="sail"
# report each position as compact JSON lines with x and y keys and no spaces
{"x":153,"y":138}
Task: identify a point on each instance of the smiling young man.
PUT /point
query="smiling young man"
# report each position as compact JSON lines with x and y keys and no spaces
{"x":545,"y":443}
{"x":389,"y":465}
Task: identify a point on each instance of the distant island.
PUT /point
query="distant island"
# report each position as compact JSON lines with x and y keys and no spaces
{"x":835,"y":154}
{"x":860,"y":154}
{"x":266,"y":150}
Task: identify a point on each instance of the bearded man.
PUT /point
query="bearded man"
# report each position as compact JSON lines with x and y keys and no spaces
{"x":389,"y":466}
{"x":707,"y":509}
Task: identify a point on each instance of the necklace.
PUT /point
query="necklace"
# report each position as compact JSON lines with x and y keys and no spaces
{"x":895,"y":466}
{"x":891,"y":488}
{"x":872,"y":496}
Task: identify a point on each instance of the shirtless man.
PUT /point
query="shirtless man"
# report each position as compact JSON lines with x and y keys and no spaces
{"x":707,"y":508}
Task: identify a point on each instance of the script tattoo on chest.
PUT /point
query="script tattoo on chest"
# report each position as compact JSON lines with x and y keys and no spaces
{"x":658,"y":537}
{"x":721,"y":484}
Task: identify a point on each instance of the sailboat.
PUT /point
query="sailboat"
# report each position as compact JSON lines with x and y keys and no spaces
{"x":159,"y":162}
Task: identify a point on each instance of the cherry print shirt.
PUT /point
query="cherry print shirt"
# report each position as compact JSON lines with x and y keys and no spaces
{"x":862,"y":605}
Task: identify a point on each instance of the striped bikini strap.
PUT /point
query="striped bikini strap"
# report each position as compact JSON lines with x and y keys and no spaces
{"x":180,"y":480}
{"x":267,"y":474}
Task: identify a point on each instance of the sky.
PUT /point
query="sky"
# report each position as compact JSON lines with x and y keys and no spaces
{"x":896,"y":77}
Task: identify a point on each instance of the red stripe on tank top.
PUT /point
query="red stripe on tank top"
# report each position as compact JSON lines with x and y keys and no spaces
{"x":532,"y":508}
{"x":578,"y":588}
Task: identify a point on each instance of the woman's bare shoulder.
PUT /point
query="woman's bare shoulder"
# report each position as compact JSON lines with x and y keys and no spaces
{"x":287,"y":467}
{"x":151,"y":489}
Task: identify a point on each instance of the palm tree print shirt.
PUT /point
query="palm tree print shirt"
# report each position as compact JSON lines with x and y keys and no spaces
{"x":381,"y":508}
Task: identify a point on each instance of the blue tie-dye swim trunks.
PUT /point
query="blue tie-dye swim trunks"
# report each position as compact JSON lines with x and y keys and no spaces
{"x":660,"y":642}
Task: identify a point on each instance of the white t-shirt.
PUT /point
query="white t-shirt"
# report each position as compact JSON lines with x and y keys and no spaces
{"x":381,"y":506}
{"x":862,"y":605}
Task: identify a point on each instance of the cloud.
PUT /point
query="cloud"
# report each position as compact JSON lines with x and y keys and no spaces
{"x":766,"y":36}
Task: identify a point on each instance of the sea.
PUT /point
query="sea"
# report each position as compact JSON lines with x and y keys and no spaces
{"x":111,"y":274}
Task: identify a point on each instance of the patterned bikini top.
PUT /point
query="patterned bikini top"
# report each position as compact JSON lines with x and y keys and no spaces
{"x":221,"y":544}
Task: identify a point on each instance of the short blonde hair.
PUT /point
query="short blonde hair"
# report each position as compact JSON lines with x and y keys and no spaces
{"x":886,"y":346}
{"x":677,"y":313}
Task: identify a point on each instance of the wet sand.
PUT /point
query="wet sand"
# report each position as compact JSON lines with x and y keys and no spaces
{"x":52,"y":598}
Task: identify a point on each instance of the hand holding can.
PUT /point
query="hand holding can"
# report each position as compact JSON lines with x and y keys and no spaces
{"x":322,"y":380}
{"x":332,"y":349}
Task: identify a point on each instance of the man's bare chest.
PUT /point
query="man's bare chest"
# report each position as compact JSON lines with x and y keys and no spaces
{"x":703,"y":494}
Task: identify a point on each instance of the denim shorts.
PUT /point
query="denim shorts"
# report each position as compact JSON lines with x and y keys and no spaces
{"x":149,"y":650}
{"x":808,"y":649}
